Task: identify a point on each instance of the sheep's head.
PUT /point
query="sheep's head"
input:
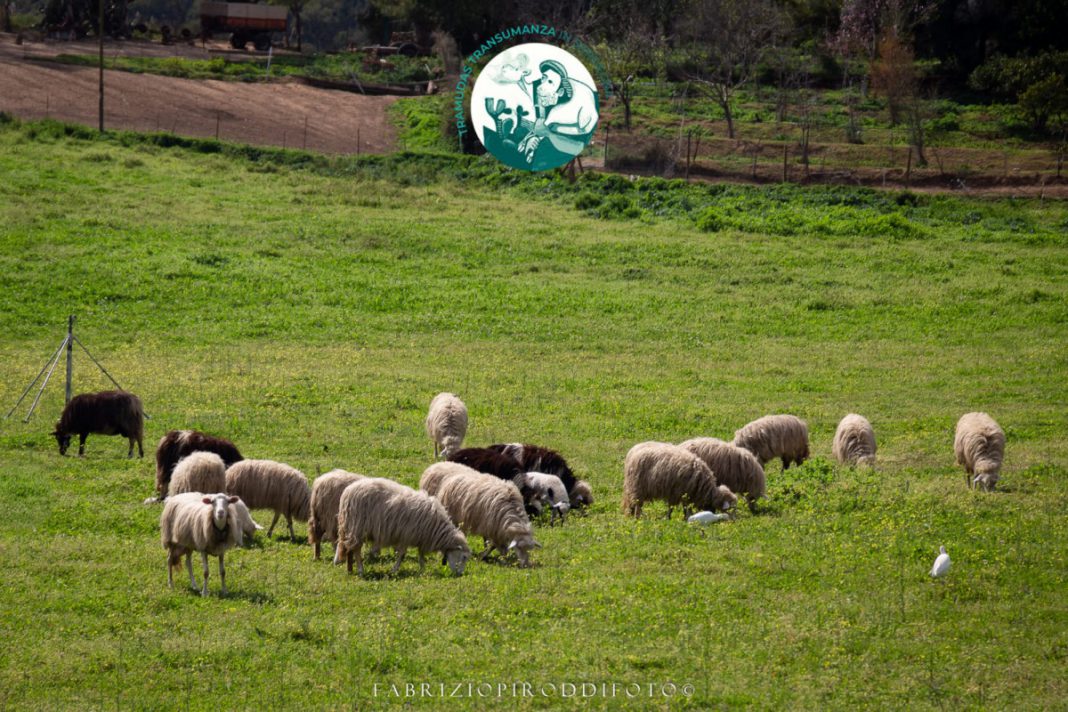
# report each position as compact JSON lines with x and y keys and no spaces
{"x":723,"y":498}
{"x":457,"y":559}
{"x":62,"y":439}
{"x":220,"y":504}
{"x":581,"y":495}
{"x":522,"y":547}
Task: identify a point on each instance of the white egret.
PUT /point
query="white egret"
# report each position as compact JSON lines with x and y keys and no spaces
{"x":941,"y":564}
{"x":708,"y":517}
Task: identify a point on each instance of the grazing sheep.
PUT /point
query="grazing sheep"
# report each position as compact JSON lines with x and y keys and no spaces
{"x":485,"y":505}
{"x":446,"y":423}
{"x":433,"y":476}
{"x":979,"y":445}
{"x":655,"y":470}
{"x":772,"y":436}
{"x":198,"y":472}
{"x":502,"y":466}
{"x":581,"y":495}
{"x":249,"y":526}
{"x":551,"y":491}
{"x":208,"y":523}
{"x":854,"y":441}
{"x":325,"y":500}
{"x":735,"y":468}
{"x":534,"y":458}
{"x":390,"y":514}
{"x":104,"y":413}
{"x":176,"y":444}
{"x":266,"y":484}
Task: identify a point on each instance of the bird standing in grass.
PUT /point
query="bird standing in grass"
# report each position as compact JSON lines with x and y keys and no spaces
{"x":708,"y":517}
{"x":941,"y":564}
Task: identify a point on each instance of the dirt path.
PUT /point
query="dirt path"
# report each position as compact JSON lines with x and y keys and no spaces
{"x":263,"y":114}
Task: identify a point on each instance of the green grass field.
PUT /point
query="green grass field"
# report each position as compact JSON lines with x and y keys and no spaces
{"x":310,"y":314}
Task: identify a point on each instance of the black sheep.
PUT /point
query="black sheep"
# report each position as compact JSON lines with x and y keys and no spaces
{"x":104,"y":413}
{"x":534,"y":458}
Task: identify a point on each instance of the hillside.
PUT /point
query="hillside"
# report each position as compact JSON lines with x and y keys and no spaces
{"x":310,"y":307}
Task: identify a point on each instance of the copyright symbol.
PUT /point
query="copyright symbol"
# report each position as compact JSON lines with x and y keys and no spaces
{"x":687,"y":690}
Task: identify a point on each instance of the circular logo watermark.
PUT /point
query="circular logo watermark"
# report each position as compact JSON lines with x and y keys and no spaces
{"x":535,"y":106}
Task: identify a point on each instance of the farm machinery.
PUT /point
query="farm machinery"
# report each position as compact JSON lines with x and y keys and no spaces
{"x":246,"y":21}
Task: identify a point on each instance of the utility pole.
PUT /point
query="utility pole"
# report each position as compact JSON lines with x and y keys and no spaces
{"x":100,"y":33}
{"x":70,"y":352}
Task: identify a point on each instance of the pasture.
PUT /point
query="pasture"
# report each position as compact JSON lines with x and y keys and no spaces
{"x":309,"y":314}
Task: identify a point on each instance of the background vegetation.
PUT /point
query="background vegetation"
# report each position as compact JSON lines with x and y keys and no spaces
{"x":310,"y":307}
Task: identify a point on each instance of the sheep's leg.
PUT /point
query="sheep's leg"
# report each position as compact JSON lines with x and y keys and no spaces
{"x":487,"y":550}
{"x":204,"y":561}
{"x":436,"y":451}
{"x":422,"y":562}
{"x":81,"y":444}
{"x":222,"y":577}
{"x":687,"y":511}
{"x":358,"y":553}
{"x":129,"y":454}
{"x":401,"y":551}
{"x":669,"y":512}
{"x":785,"y":463}
{"x":339,"y":551}
{"x":289,"y":521}
{"x":170,"y":570}
{"x":189,"y":567}
{"x":316,"y":551}
{"x":140,"y":449}
{"x":273,"y":522}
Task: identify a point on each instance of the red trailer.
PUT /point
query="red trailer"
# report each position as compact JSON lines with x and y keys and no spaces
{"x":246,"y":21}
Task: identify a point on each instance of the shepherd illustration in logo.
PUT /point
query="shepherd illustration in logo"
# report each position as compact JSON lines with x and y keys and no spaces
{"x":555,"y":115}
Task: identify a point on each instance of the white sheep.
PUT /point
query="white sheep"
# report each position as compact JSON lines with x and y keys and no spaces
{"x":581,"y":495}
{"x":433,"y":476}
{"x":552,"y":492}
{"x":207,"y":523}
{"x":248,"y":525}
{"x":735,"y":468}
{"x":390,"y":514}
{"x":446,"y":423}
{"x":199,"y":471}
{"x":979,"y":445}
{"x":266,"y":484}
{"x":654,"y":470}
{"x":485,"y":505}
{"x":854,"y":441}
{"x":772,"y":436}
{"x":325,"y":501}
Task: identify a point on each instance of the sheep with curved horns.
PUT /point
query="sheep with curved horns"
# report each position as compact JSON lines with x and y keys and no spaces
{"x":552,"y":492}
{"x":979,"y":445}
{"x":735,"y":468}
{"x":325,"y":502}
{"x":502,"y":466}
{"x":854,"y":441}
{"x":176,"y":444}
{"x":491,"y":508}
{"x":433,"y":476}
{"x":655,"y":470}
{"x":390,"y":514}
{"x":207,"y":523}
{"x":784,"y":436}
{"x":446,"y":423}
{"x":104,"y":413}
{"x":198,"y":472}
{"x":266,"y":484}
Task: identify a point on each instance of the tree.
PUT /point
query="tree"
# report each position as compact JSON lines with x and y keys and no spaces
{"x":893,"y":76}
{"x":1044,"y":100}
{"x":863,"y":24}
{"x":723,"y":43}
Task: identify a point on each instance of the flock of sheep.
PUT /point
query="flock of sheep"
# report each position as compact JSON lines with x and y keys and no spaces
{"x":208,"y":488}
